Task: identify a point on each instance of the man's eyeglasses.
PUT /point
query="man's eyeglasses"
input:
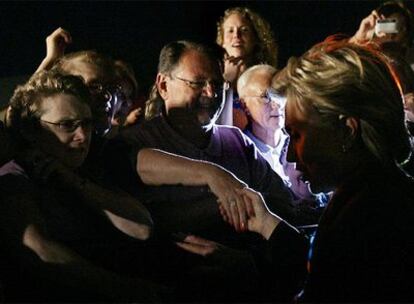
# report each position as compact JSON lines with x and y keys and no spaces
{"x":271,"y":95}
{"x":217,"y":86}
{"x":71,"y":125}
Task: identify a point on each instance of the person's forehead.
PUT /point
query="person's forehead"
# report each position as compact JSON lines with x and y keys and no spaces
{"x":64,"y":105}
{"x":90,"y":72}
{"x":235,"y":18}
{"x":198,"y":65}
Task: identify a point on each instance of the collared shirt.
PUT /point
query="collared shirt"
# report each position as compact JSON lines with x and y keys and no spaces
{"x":277,"y":158}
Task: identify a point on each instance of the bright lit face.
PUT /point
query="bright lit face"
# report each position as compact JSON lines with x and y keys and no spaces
{"x":315,"y":147}
{"x":70,"y":147}
{"x":263,"y":112}
{"x":185,"y":89}
{"x":239,"y":38}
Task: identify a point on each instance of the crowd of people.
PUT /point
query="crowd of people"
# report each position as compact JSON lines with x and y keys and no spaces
{"x":235,"y":181}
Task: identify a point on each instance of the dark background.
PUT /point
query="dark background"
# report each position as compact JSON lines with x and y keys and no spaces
{"x":136,"y":31}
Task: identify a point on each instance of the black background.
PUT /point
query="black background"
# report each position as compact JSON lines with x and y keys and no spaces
{"x":136,"y":31}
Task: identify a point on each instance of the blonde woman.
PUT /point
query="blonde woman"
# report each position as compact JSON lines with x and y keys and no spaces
{"x":248,"y":40}
{"x":345,"y":119}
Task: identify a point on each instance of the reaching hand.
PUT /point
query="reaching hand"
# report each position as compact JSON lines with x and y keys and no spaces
{"x":260,"y":219}
{"x":232,"y":207}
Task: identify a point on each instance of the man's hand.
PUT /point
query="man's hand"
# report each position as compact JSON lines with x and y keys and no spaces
{"x":224,"y":185}
{"x":261,"y":220}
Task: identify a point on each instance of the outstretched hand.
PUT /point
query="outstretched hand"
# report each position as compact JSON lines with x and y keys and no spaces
{"x":224,"y":184}
{"x":260,"y":219}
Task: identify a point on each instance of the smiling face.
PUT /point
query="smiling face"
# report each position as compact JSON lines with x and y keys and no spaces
{"x":315,"y":147}
{"x":266,"y":114}
{"x":239,"y":38}
{"x":71,"y":148}
{"x":184,"y":88}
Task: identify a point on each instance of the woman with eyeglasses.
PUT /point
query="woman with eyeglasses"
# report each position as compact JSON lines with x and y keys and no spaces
{"x":62,"y":230}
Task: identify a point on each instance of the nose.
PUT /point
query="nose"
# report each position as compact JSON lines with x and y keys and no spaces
{"x":236,"y":33}
{"x":81,"y":134}
{"x":209,"y":90}
{"x":273,"y":104}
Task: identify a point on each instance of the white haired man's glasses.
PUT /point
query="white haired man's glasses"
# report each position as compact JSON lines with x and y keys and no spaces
{"x":269,"y":96}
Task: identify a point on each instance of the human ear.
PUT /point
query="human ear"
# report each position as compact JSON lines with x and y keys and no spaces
{"x":161,"y":82}
{"x":351,"y":129}
{"x":353,"y":125}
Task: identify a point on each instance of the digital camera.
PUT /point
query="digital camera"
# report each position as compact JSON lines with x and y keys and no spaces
{"x":387,"y":26}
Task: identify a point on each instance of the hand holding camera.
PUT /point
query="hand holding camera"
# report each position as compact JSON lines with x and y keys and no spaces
{"x":374,"y":25}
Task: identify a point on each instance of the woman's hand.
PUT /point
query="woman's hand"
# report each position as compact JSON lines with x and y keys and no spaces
{"x":366,"y":29}
{"x":224,"y":185}
{"x":232,"y":68}
{"x":261,"y":220}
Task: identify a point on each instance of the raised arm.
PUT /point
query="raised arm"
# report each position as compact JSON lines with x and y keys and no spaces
{"x":56,"y":44}
{"x":366,"y":29}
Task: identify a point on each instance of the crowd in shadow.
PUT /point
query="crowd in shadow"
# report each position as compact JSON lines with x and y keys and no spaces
{"x":234,"y":181}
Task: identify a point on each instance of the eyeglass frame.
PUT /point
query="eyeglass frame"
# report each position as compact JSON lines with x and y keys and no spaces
{"x":199,"y":85}
{"x":271,"y":95}
{"x":86,"y":123}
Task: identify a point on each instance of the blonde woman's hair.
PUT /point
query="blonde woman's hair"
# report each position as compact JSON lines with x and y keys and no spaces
{"x":266,"y":50}
{"x":338,"y":79}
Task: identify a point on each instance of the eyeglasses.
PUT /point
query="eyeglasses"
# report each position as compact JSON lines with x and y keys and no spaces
{"x":201,"y":84}
{"x":71,"y":125}
{"x":271,"y":95}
